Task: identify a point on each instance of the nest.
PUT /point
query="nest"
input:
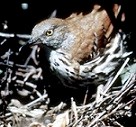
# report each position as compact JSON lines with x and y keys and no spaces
{"x":24,"y":100}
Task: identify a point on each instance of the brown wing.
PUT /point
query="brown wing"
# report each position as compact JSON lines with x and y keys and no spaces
{"x":90,"y":31}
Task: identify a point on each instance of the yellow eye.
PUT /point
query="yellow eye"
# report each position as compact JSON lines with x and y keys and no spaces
{"x":49,"y":32}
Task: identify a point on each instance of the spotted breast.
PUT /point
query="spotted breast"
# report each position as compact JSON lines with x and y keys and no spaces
{"x":82,"y":49}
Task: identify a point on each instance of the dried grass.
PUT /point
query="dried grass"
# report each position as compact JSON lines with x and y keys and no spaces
{"x":110,"y":104}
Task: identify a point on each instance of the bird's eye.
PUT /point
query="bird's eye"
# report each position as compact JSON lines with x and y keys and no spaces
{"x":49,"y":32}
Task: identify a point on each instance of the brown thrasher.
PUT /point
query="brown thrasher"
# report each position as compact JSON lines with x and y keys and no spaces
{"x":81,"y":49}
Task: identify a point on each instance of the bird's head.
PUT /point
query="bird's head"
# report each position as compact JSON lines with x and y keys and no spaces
{"x":54,"y":33}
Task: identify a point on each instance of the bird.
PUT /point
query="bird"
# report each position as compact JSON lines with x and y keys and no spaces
{"x":82,"y":49}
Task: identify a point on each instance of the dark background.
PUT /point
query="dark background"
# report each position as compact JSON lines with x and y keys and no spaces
{"x":22,"y":20}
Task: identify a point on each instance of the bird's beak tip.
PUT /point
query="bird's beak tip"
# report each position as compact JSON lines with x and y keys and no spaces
{"x":33,"y":42}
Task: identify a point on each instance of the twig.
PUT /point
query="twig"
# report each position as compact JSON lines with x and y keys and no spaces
{"x":116,"y":76}
{"x":35,"y":101}
{"x":11,"y":35}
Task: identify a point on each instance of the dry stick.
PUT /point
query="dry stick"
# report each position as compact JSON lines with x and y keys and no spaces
{"x":96,"y":119}
{"x":8,"y":35}
{"x":116,"y":76}
{"x":85,"y":97}
{"x":35,"y":101}
{"x":74,"y":109}
{"x":122,"y":92}
{"x":32,"y":56}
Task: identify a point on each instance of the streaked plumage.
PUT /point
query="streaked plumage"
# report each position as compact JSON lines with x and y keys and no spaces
{"x":82,"y":49}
